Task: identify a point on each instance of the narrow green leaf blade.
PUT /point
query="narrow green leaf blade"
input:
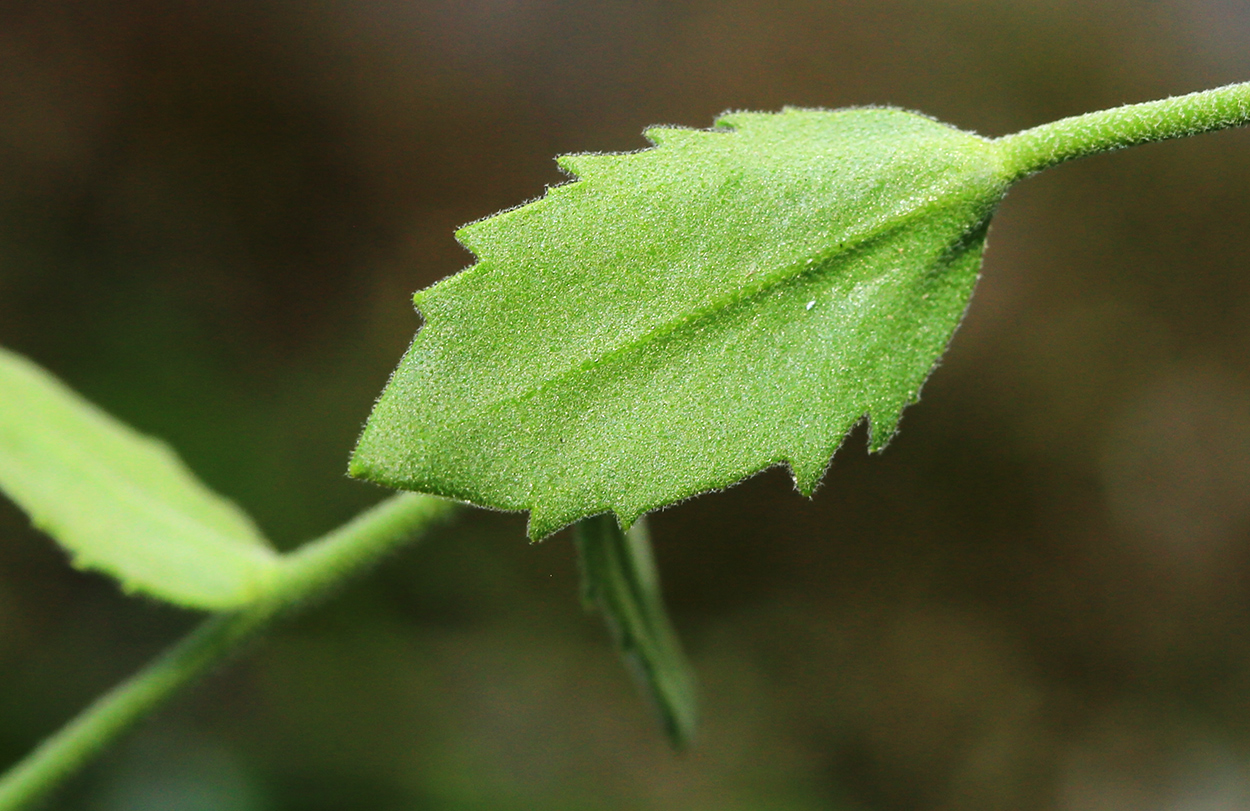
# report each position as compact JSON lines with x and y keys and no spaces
{"x":619,"y":579}
{"x":120,"y":502}
{"x":686,"y":316}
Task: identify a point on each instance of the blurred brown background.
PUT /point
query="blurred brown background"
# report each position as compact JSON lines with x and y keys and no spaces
{"x":213,"y":214}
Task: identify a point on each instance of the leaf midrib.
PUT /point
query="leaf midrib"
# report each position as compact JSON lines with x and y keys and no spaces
{"x":767,"y":283}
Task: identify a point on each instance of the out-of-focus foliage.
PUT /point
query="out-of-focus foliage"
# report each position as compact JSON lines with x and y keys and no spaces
{"x":213,"y":216}
{"x":681,"y":318}
{"x":620,"y":581}
{"x":120,"y":502}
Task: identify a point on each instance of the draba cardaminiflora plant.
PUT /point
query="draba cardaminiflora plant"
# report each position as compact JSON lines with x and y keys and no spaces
{"x":669,"y":322}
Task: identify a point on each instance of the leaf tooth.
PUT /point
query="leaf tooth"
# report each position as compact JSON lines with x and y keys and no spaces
{"x":807,"y":470}
{"x":627,"y":515}
{"x":545,"y":519}
{"x":673,"y":136}
{"x":467,"y":236}
{"x":550,"y":516}
{"x":737,"y":120}
{"x":586,"y":164}
{"x":883,"y":425}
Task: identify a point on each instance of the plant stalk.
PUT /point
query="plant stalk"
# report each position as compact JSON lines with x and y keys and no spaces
{"x":306,"y":574}
{"x":1032,"y":150}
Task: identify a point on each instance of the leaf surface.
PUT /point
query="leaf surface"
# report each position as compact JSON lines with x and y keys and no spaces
{"x":685,"y":316}
{"x":120,"y":502}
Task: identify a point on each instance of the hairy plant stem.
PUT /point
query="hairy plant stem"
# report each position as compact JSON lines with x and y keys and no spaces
{"x":1030,"y":151}
{"x":310,"y":572}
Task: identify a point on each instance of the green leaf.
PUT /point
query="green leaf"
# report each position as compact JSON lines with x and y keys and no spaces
{"x":686,"y":316}
{"x":120,"y":502}
{"x":619,"y":579}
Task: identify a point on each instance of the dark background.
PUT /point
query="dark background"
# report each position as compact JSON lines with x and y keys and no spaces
{"x":213,"y":215}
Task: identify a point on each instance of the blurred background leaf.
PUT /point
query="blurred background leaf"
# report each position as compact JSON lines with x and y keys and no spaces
{"x":212,"y":220}
{"x":120,"y":502}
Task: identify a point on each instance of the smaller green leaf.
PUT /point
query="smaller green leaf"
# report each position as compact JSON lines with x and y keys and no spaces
{"x":619,"y":579}
{"x":120,"y":502}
